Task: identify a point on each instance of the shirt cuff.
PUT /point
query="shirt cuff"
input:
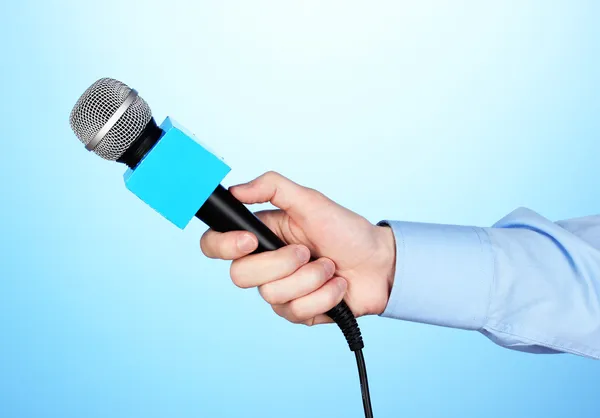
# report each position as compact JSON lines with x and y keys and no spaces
{"x":444,"y":275}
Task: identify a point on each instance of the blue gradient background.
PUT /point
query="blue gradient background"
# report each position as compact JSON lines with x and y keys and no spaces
{"x":433,"y":111}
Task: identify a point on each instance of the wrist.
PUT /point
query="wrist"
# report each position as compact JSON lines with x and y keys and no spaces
{"x":387,"y":245}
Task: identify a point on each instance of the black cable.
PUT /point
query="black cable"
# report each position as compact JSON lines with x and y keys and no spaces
{"x":343,"y":317}
{"x":364,"y":383}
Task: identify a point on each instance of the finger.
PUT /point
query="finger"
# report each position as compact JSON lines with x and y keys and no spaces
{"x":259,"y":269}
{"x":318,"y":302}
{"x":227,"y":245}
{"x":305,"y":280}
{"x":274,"y":188}
{"x":319,"y":319}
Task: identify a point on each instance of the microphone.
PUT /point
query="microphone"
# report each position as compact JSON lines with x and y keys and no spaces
{"x":179,"y":177}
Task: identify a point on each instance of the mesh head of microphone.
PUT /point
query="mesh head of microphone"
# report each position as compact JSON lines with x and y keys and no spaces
{"x":95,"y":107}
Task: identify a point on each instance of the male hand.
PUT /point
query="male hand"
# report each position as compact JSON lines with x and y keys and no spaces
{"x":354,"y":259}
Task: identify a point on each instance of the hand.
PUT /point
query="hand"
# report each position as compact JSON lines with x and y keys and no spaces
{"x":354,"y":259}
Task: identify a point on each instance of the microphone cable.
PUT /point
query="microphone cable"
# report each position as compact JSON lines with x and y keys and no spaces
{"x":364,"y":383}
{"x":343,"y":317}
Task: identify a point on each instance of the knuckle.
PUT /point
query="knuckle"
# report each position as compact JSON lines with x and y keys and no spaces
{"x":271,"y":175}
{"x":278,"y":310}
{"x":269,"y":295}
{"x":284,"y":312}
{"x":205,"y":244}
{"x":297,"y":312}
{"x":272,"y":178}
{"x":315,"y":194}
{"x":237,"y":276}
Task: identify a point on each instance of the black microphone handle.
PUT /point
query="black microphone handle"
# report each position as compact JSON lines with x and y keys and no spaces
{"x":223,"y":213}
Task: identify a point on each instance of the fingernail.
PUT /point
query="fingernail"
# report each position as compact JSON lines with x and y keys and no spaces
{"x":245,"y":243}
{"x":341,"y":284}
{"x":329,"y":267}
{"x":302,"y":253}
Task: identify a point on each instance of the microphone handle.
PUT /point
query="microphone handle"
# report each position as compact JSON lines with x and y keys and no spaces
{"x":223,"y":213}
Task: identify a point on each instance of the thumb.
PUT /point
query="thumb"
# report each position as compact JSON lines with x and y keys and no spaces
{"x":278,"y":190}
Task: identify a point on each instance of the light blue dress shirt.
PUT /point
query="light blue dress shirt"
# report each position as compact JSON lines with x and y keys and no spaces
{"x":526,"y":283}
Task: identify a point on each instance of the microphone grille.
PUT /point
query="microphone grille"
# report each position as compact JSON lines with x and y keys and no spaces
{"x":94,"y":109}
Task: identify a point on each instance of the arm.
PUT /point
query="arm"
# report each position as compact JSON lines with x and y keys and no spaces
{"x":526,"y":283}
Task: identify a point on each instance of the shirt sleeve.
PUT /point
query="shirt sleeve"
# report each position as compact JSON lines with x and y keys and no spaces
{"x":526,"y":283}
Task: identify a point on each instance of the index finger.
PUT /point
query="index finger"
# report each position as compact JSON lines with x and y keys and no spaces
{"x":227,"y":245}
